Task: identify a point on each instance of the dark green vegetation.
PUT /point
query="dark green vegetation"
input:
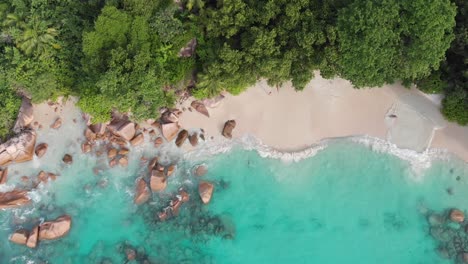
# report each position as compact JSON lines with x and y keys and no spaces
{"x":124,"y":54}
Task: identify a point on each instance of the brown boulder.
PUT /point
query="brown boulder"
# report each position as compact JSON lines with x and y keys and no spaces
{"x":25,"y":115}
{"x":55,"y":229}
{"x":99,"y":128}
{"x":170,"y":130}
{"x":33,"y":238}
{"x":142,"y":193}
{"x":228,"y":127}
{"x":181,"y":137}
{"x":457,"y":216}
{"x":3,"y":175}
{"x":193,"y":139}
{"x":200,"y":107}
{"x":14,"y":199}
{"x":89,"y":135}
{"x":57,"y":124}
{"x":45,"y":176}
{"x":68,"y":159}
{"x":158,"y":142}
{"x":19,"y":237}
{"x":123,"y":161}
{"x":170,"y":170}
{"x":113,"y":162}
{"x":86,"y":147}
{"x":122,"y":127}
{"x":201,"y":170}
{"x":112,"y":153}
{"x":41,"y":149}
{"x":124,"y":151}
{"x":158,"y":181}
{"x":137,"y":140}
{"x":19,"y":148}
{"x":170,"y":117}
{"x":205,"y":189}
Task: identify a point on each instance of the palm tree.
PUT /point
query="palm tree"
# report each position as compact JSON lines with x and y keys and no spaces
{"x":37,"y":38}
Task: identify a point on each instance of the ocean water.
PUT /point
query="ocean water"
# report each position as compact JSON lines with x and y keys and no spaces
{"x":345,"y":204}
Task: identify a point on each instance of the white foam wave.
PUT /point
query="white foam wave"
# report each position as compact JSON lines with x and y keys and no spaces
{"x":419,"y":161}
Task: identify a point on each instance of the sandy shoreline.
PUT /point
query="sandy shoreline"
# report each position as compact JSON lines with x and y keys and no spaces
{"x":291,"y":121}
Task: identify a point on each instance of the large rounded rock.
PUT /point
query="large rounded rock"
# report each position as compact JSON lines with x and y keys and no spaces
{"x":33,"y":238}
{"x":112,"y":153}
{"x":19,"y":148}
{"x":19,"y":237}
{"x":25,"y":115}
{"x":457,"y":216}
{"x":99,"y":128}
{"x":228,"y":127}
{"x":122,"y":127}
{"x":14,"y":199}
{"x":183,"y":135}
{"x":55,"y":229}
{"x":170,"y":130}
{"x":205,"y":189}
{"x":142,"y":193}
{"x":200,"y":107}
{"x":41,"y":149}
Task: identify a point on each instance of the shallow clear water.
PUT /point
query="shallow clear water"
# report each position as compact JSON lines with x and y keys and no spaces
{"x":347,"y":204}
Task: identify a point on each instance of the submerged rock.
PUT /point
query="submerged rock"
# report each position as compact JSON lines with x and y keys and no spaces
{"x":18,"y":149}
{"x":183,"y":135}
{"x":158,"y":142}
{"x":86,"y":147}
{"x":19,"y":237}
{"x":436,"y":220}
{"x":45,"y":176}
{"x":201,"y":170}
{"x":14,"y":199}
{"x":205,"y":189}
{"x":55,"y":229}
{"x":123,"y":161}
{"x":41,"y":149}
{"x":142,"y":193}
{"x":457,"y":216}
{"x":228,"y":127}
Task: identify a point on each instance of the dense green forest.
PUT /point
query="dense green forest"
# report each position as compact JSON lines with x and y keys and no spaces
{"x":125,"y":54}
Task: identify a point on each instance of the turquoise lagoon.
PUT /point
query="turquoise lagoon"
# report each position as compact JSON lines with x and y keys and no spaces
{"x":346,"y":204}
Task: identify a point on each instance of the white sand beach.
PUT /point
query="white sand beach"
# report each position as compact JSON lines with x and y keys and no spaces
{"x":290,"y":120}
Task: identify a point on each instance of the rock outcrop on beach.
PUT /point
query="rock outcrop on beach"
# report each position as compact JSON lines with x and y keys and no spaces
{"x":142,"y":193}
{"x":228,"y":127}
{"x":19,"y":148}
{"x":25,"y":116}
{"x":181,"y":138}
{"x":13,"y":199}
{"x":55,"y":229}
{"x":41,"y":149}
{"x":122,"y":127}
{"x":137,"y":140}
{"x":205,"y":189}
{"x":200,"y":108}
{"x":3,"y":175}
{"x":170,"y":130}
{"x":170,"y":116}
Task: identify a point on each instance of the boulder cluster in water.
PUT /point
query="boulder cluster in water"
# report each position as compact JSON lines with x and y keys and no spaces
{"x":114,"y":139}
{"x":450,"y":229}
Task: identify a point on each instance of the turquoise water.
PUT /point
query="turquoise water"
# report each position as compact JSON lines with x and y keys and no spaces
{"x":347,"y":204}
